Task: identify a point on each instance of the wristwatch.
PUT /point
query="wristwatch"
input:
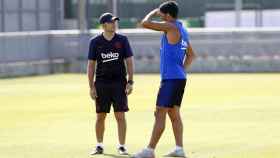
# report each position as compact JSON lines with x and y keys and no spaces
{"x":130,"y":82}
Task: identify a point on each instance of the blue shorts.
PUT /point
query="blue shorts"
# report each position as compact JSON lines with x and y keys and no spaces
{"x":171,"y":93}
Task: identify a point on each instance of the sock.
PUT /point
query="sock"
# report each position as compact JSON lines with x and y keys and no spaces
{"x":178,"y":147}
{"x":121,"y":145}
{"x":100,"y":144}
{"x":150,"y":149}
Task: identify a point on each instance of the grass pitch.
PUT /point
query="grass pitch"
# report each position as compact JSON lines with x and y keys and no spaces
{"x":225,"y":116}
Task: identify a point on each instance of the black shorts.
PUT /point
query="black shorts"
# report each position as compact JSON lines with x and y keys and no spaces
{"x":111,"y":94}
{"x":171,"y":93}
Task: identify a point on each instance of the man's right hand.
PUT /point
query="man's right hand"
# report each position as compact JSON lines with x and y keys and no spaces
{"x":93,"y":93}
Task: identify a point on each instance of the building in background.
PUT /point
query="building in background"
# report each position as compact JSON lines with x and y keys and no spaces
{"x":30,"y":15}
{"x":194,"y":13}
{"x":255,"y":13}
{"x":130,"y":11}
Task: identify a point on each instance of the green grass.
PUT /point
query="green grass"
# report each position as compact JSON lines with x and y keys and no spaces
{"x":225,"y":116}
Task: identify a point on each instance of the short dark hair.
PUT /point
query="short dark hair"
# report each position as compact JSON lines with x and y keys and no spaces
{"x":169,"y":7}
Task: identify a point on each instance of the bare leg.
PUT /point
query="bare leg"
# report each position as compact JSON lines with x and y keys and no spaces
{"x":177,"y":125}
{"x":121,"y":121}
{"x":100,"y":126}
{"x":159,"y":126}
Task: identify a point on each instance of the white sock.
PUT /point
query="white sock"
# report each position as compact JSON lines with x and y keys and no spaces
{"x":121,"y":145}
{"x":150,"y":149}
{"x":100,"y":144}
{"x":178,"y":147}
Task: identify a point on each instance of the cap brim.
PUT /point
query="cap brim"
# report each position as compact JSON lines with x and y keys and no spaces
{"x":115,"y":19}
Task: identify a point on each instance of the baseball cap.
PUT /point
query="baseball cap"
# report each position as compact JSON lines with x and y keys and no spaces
{"x":107,"y":17}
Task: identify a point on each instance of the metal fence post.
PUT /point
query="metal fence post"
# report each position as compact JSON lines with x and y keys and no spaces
{"x":82,"y":16}
{"x":238,"y":10}
{"x":20,"y":11}
{"x":37,"y":14}
{"x":3,"y":15}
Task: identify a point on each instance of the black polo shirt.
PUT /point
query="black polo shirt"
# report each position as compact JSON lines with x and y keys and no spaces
{"x":110,"y":56}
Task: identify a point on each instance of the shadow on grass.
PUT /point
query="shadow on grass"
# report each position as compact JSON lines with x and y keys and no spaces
{"x":117,"y":156}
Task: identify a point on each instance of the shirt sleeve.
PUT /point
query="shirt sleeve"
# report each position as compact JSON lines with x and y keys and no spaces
{"x":128,"y":51}
{"x":92,"y":55}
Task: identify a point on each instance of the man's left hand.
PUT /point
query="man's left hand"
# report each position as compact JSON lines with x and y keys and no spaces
{"x":129,"y":89}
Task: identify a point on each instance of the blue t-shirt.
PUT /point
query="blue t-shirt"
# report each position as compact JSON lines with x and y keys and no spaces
{"x":110,"y":56}
{"x":172,"y":55}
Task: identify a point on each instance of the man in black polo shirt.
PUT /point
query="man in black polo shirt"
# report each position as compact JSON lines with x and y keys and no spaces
{"x":110,"y":59}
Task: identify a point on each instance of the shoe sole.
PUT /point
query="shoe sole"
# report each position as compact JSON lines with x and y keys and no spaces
{"x":174,"y":156}
{"x":101,"y":153}
{"x":123,"y":154}
{"x":142,"y":157}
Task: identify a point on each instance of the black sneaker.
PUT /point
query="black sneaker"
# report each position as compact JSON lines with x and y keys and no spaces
{"x":97,"y":151}
{"x":122,"y":150}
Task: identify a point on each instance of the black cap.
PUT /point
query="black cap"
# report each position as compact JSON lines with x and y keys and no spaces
{"x":107,"y":17}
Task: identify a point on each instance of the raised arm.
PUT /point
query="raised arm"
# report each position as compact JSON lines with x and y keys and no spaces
{"x":155,"y":25}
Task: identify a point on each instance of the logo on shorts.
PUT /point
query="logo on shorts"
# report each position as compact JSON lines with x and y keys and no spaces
{"x":109,"y":57}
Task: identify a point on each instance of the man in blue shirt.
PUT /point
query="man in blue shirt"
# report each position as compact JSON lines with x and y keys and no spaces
{"x":175,"y":56}
{"x":110,"y":59}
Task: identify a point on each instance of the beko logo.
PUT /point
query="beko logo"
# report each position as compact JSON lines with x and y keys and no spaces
{"x":109,"y":57}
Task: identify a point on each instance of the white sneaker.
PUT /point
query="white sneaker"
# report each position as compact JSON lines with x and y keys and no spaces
{"x":176,"y":153}
{"x":97,"y":151}
{"x":145,"y":153}
{"x":122,"y":150}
